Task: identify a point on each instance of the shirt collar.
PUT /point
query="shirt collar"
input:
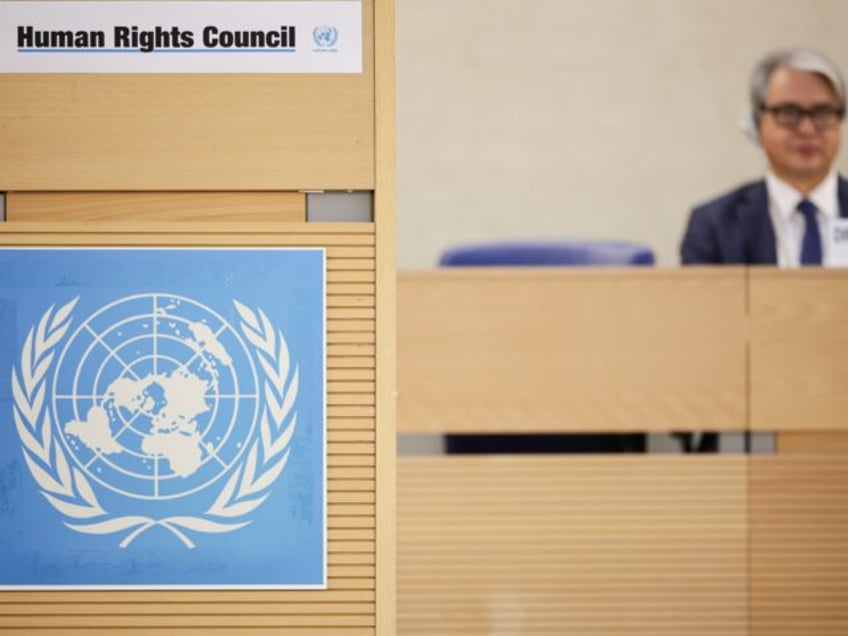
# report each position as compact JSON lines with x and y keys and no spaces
{"x":785,"y":198}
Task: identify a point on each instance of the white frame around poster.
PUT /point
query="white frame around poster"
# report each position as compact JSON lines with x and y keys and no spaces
{"x":87,"y":538}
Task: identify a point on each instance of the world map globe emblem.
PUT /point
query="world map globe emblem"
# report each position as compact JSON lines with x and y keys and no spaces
{"x":155,"y":396}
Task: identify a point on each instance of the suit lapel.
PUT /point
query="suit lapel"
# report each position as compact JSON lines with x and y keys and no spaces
{"x":755,"y":221}
{"x":842,"y":195}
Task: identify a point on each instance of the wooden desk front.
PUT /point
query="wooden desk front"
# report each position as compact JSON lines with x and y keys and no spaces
{"x":648,"y":544}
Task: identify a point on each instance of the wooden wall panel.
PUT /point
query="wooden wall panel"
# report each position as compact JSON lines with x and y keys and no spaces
{"x":624,"y":546}
{"x":799,"y":545}
{"x":566,"y":349}
{"x":799,"y":335}
{"x":156,"y":207}
{"x":348,"y":607}
{"x":190,"y":132}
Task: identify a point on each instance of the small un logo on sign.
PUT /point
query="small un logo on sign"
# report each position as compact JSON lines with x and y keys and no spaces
{"x":325,"y":37}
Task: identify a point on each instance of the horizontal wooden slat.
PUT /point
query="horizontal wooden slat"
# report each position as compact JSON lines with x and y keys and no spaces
{"x":350,"y":522}
{"x":353,"y":399}
{"x":351,"y":558}
{"x":335,"y":436}
{"x":352,"y":547}
{"x":350,"y":387}
{"x":344,"y":276}
{"x":128,"y":233}
{"x":337,"y":461}
{"x":351,"y":337}
{"x":208,"y":631}
{"x":262,"y":598}
{"x":351,"y":289}
{"x":348,"y":497}
{"x":346,"y":375}
{"x":178,"y":620}
{"x":350,"y":251}
{"x":346,"y":473}
{"x":346,"y":510}
{"x":362,"y":572}
{"x":352,"y":350}
{"x":350,"y":313}
{"x":352,"y":582}
{"x":337,"y":268}
{"x":171,"y":608}
{"x":351,"y":264}
{"x":350,"y":356}
{"x":352,"y":485}
{"x":338,"y":299}
{"x":343,"y":322}
{"x":250,"y":207}
{"x":350,"y":423}
{"x":350,"y":534}
{"x":350,"y":448}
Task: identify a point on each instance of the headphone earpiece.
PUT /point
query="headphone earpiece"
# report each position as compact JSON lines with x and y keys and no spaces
{"x":749,"y":125}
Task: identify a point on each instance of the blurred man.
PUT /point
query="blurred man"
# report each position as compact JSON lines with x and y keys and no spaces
{"x":797,"y":107}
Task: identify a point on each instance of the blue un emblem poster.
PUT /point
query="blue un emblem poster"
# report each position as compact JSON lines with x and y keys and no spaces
{"x":162,"y":418}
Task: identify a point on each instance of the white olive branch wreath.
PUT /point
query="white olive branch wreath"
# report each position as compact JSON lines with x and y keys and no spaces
{"x":68,"y":490}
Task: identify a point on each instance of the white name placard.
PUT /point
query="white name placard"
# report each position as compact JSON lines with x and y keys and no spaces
{"x":838,"y":243}
{"x":181,"y":37}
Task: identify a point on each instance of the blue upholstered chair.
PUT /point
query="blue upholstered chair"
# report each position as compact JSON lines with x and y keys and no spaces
{"x":547,"y":254}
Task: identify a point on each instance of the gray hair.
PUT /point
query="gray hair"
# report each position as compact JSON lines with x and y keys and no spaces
{"x":801,"y":59}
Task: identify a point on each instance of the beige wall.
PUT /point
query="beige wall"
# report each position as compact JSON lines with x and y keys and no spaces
{"x":570,"y":118}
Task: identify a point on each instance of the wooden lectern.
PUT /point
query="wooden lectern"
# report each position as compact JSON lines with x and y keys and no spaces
{"x":227,"y":160}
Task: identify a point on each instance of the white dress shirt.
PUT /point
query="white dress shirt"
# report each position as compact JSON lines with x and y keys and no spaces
{"x":788,"y":222}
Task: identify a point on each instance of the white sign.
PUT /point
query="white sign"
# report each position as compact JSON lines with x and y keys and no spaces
{"x":181,"y":37}
{"x":838,"y":243}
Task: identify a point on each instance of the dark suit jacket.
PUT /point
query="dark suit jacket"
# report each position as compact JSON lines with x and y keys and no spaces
{"x":736,"y":228}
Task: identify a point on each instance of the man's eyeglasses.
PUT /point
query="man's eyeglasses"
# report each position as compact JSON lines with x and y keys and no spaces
{"x":790,"y":115}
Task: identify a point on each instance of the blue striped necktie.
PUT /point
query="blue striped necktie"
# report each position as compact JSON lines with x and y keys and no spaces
{"x":811,"y":247}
